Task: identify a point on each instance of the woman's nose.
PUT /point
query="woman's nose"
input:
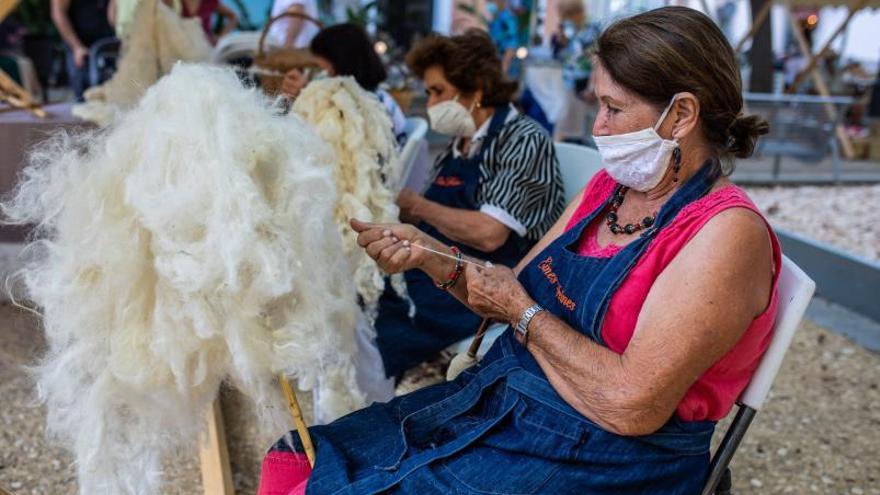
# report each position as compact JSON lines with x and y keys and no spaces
{"x":599,"y":126}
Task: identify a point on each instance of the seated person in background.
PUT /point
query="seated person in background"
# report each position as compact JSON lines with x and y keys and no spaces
{"x":346,"y":50}
{"x":636,"y":321}
{"x":495,"y":191}
{"x":121,"y":13}
{"x":205,"y":10}
{"x":572,"y":45}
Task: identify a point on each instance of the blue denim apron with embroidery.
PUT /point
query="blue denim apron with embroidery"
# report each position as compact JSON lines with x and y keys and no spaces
{"x":440,"y":319}
{"x":500,"y":428}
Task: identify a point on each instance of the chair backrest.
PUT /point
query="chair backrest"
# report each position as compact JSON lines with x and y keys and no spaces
{"x":103,"y":55}
{"x":415,"y":129}
{"x":795,"y":289}
{"x":578,"y":164}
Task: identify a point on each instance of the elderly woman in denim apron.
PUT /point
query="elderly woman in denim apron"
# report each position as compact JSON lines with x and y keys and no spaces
{"x":494,"y":192}
{"x":634,"y":323}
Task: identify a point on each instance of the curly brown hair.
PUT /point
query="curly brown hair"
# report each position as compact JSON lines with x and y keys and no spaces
{"x":469,"y":61}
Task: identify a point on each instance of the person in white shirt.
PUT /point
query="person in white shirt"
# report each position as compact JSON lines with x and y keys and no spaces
{"x":293,"y":32}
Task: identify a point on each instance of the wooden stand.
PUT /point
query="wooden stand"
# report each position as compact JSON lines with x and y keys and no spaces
{"x":814,"y":59}
{"x":214,"y":456}
{"x":7,"y":6}
{"x":17,"y":97}
{"x":214,"y":452}
{"x":846,"y":145}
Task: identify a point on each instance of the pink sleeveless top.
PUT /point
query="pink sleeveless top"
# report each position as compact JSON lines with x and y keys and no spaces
{"x":714,"y":393}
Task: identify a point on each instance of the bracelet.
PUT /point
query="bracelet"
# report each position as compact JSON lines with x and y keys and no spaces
{"x":455,"y":274}
{"x":522,"y":327}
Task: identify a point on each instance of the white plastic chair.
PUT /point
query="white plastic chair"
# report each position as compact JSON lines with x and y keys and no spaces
{"x":578,"y":164}
{"x":795,"y":291}
{"x":415,"y":129}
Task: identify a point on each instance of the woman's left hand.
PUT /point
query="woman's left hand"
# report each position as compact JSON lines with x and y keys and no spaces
{"x":408,"y":201}
{"x":494,"y":292}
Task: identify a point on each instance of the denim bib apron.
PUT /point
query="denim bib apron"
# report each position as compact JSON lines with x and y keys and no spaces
{"x":500,"y":428}
{"x":440,"y":319}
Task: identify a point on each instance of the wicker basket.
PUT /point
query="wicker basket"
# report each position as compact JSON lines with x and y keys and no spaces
{"x":275,"y":63}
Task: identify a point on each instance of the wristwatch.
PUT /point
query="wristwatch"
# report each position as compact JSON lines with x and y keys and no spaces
{"x":522,"y":328}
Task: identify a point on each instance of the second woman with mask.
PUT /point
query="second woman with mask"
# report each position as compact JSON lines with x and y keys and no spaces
{"x":494,"y":192}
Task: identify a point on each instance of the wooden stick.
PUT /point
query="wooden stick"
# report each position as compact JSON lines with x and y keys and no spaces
{"x":756,"y":25}
{"x":214,"y":456}
{"x":814,"y":59}
{"x":6,"y":6}
{"x":298,"y":420}
{"x":478,"y":338}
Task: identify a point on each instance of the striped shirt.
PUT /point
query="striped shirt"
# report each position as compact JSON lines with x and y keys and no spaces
{"x":520,"y":183}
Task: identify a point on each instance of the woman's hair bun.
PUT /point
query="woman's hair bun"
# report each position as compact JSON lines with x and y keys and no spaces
{"x":743,"y":133}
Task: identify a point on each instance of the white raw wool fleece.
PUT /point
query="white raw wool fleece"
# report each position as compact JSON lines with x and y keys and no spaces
{"x":159,"y":39}
{"x":356,"y":124}
{"x":189,"y":243}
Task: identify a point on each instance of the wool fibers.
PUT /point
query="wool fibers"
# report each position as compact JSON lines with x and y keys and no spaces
{"x":356,"y":124}
{"x":193,"y":241}
{"x":159,"y":38}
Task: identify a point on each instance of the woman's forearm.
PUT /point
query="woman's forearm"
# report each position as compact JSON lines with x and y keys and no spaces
{"x":439,"y":268}
{"x":469,"y":227}
{"x":592,"y":379}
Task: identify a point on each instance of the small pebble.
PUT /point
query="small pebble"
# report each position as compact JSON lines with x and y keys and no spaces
{"x":755,"y":482}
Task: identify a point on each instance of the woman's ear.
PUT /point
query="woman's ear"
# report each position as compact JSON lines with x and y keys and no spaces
{"x":686,"y":112}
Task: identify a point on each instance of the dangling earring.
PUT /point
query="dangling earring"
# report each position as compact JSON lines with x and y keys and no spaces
{"x":676,"y":163}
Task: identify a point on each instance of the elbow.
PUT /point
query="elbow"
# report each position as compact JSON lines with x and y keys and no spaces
{"x":632,"y":413}
{"x":492,"y":240}
{"x":634,"y":426}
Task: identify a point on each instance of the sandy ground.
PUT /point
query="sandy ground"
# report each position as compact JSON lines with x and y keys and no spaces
{"x":837,"y":215}
{"x":818,"y":434}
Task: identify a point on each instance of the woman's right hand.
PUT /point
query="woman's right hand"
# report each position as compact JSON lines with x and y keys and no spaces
{"x":293,"y":83}
{"x":389,"y":245}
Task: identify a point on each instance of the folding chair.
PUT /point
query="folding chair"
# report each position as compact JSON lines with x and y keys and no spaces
{"x":578,"y":164}
{"x":414,"y":172}
{"x":103,"y":56}
{"x":795,"y":291}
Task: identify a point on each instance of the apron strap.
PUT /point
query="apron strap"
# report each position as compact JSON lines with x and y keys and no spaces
{"x":619,"y":267}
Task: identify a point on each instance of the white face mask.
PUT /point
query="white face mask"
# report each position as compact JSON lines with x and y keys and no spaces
{"x":452,"y":118}
{"x":638,"y":159}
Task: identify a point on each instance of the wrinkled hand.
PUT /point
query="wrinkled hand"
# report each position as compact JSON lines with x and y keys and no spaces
{"x":389,"y":245}
{"x":293,"y":83}
{"x":408,"y":201}
{"x":494,"y":292}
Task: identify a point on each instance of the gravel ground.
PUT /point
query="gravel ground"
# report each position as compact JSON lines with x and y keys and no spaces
{"x":842,"y":216}
{"x":818,"y":434}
